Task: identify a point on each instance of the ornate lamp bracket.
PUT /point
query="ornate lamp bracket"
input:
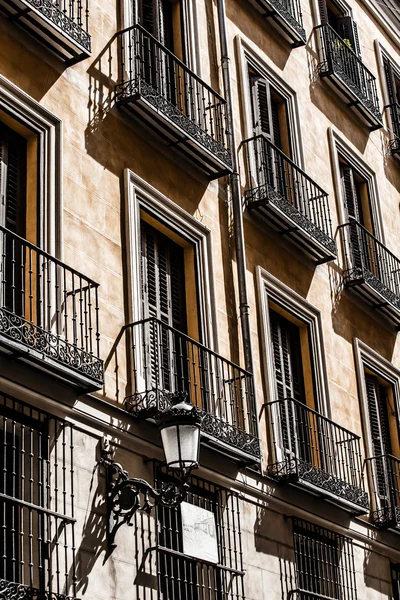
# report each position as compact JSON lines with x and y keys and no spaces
{"x":126,"y":495}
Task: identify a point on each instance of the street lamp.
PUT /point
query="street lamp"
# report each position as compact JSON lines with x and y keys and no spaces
{"x":179,"y":426}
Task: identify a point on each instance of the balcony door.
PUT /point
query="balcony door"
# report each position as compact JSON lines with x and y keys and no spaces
{"x":294,"y":434}
{"x":163,"y":297}
{"x":13,"y":156}
{"x":386,"y":479}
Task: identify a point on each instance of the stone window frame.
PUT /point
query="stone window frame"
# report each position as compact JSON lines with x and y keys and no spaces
{"x":339,"y":147}
{"x":270,"y":288}
{"x":140,"y":195}
{"x":381,"y":55}
{"x":249,"y":57}
{"x":366,"y":357}
{"x":48,"y":128}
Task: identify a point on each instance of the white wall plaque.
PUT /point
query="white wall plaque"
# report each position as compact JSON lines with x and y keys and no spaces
{"x":199,"y":533}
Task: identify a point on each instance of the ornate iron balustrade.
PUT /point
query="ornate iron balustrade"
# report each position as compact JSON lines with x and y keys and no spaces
{"x":341,"y":65}
{"x":38,"y":559}
{"x":165,"y":363}
{"x":394,"y":110}
{"x":312,"y":450}
{"x":161,"y":89}
{"x":287,"y":16}
{"x":49,"y":312}
{"x":384,"y":473}
{"x":62,"y":25}
{"x":371,"y":269}
{"x":278,"y":189}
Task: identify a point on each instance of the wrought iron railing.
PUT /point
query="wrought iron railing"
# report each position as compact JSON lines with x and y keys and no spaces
{"x":148,"y":68}
{"x":70,"y":16}
{"x":310,"y":447}
{"x":339,"y":59}
{"x":166,"y":363}
{"x":385,"y":477}
{"x":38,"y":554}
{"x":368,"y":260}
{"x":275,"y":178}
{"x":290,"y":11}
{"x":48,"y":307}
{"x":394,"y":110}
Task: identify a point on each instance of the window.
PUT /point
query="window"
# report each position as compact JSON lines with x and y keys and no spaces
{"x":198,"y":545}
{"x":340,"y":20}
{"x":36,"y":507}
{"x":396,"y":581}
{"x":379,"y":385}
{"x":392,"y":77}
{"x":324,"y":562}
{"x":356,"y":195}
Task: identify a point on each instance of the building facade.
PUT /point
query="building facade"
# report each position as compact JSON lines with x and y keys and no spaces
{"x":200,"y":200}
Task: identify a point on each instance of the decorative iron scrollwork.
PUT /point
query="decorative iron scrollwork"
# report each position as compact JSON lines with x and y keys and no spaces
{"x":10,"y":590}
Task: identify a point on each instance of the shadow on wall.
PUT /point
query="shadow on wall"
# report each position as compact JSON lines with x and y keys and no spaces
{"x":331,"y":105}
{"x":349,"y":320}
{"x":280,"y":547}
{"x":376,"y":571}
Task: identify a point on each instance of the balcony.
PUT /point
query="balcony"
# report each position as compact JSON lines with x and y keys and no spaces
{"x":384,"y":474}
{"x":394,"y":110}
{"x":184,"y":111}
{"x":312,"y":452}
{"x":288,"y":199}
{"x":163,"y":364}
{"x":48,"y":314}
{"x":372,"y":270}
{"x":286,"y":17}
{"x":61,"y":25}
{"x":349,"y":76}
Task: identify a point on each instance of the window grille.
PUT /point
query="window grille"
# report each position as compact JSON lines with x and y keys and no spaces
{"x":181,"y":576}
{"x":37,"y":546}
{"x":324,"y":563}
{"x":396,"y":581}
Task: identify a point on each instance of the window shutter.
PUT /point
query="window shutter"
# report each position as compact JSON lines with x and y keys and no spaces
{"x":346,"y":31}
{"x":148,"y":15}
{"x":356,"y":39}
{"x":165,"y":34}
{"x":390,"y":82}
{"x":323,"y":12}
{"x":350,"y":193}
{"x":12,"y":180}
{"x":287,"y":358}
{"x":261,"y":105}
{"x":276,"y":135}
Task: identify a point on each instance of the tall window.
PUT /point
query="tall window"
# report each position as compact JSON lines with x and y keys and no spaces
{"x":338,"y":17}
{"x":324,"y":562}
{"x":36,"y":506}
{"x":199,"y":545}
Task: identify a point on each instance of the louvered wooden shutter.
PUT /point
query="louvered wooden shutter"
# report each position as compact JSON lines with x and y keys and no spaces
{"x":148,"y":15}
{"x":346,"y":29}
{"x":13,"y":180}
{"x":356,"y":38}
{"x":351,"y":194}
{"x":323,"y":12}
{"x":390,"y":82}
{"x":261,"y":105}
{"x":287,"y":358}
{"x":276,"y":134}
{"x":165,"y":36}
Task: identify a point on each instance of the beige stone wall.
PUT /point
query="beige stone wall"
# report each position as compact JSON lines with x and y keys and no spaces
{"x":99,"y":143}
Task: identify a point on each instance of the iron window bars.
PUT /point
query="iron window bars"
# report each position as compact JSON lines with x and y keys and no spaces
{"x":184,"y":109}
{"x":62,"y":25}
{"x":36,"y":504}
{"x":384,"y":472}
{"x":49,"y":312}
{"x":164,"y":363}
{"x":287,"y":16}
{"x":312,"y":450}
{"x":395,"y":568}
{"x":346,"y":71}
{"x":188,"y":578}
{"x":279,"y":190}
{"x":324,"y":564}
{"x":372,"y":269}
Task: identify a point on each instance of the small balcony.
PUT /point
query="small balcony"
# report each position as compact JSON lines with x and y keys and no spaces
{"x":371,"y":270}
{"x":61,"y":25}
{"x":286,"y":17}
{"x":312,"y":452}
{"x":349,"y":76}
{"x":394,"y":110}
{"x":384,"y":474}
{"x":185,"y":112}
{"x":48,"y":314}
{"x":164,"y":364}
{"x":284,"y":196}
